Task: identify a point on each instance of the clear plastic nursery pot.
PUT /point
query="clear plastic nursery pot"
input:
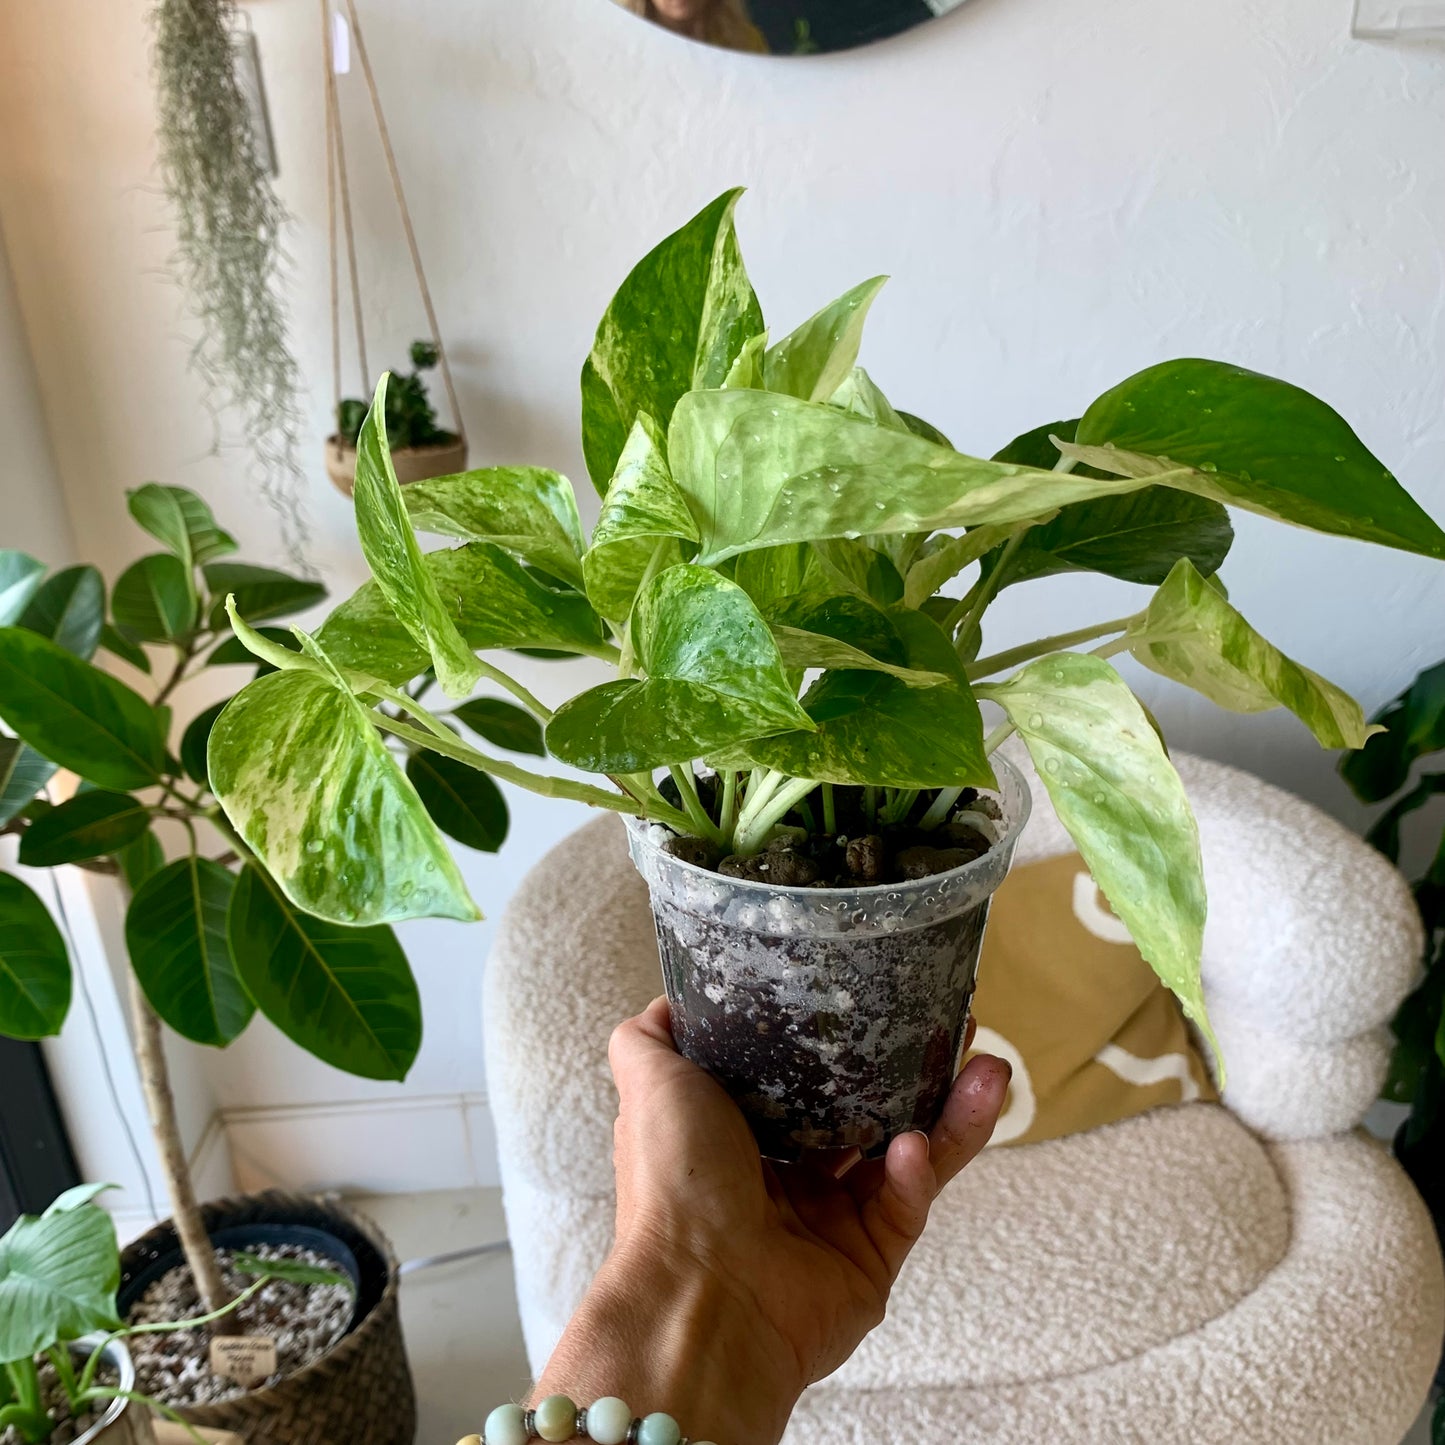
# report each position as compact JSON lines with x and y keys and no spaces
{"x":834,"y":1016}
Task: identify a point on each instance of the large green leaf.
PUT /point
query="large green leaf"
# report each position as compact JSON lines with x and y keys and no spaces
{"x":493,"y":600}
{"x":844,"y":632}
{"x":1414,"y":726}
{"x":759,"y":470}
{"x":69,"y":608}
{"x":20,"y":576}
{"x":23,"y":772}
{"x":713,"y":678}
{"x":89,"y":825}
{"x":1256,"y":443}
{"x":345,"y":995}
{"x":182,"y":521}
{"x":815,"y":360}
{"x":770,"y":574}
{"x":503,"y":723}
{"x":859,"y":394}
{"x":58,"y":1276}
{"x":115,"y":642}
{"x":642,"y":511}
{"x":1384,"y":833}
{"x":872,"y":728}
{"x":260,"y":592}
{"x":34,"y":967}
{"x":391,"y":549}
{"x":305,"y":779}
{"x":1118,"y":795}
{"x":175,"y":932}
{"x":944,"y":557}
{"x":77,"y":716}
{"x":198,"y":735}
{"x":1190,"y":633}
{"x":529,"y":511}
{"x":154,"y":599}
{"x":677,"y":322}
{"x":139,"y":859}
{"x":463,"y":802}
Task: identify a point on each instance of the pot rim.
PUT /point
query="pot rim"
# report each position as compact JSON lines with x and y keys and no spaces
{"x":1012,"y":825}
{"x":119,"y":1356}
{"x":347,"y":449}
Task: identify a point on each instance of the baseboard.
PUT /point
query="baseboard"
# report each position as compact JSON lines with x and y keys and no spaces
{"x":380,"y":1146}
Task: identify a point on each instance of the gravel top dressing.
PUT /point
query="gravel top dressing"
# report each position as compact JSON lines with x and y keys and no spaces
{"x":304,"y":1320}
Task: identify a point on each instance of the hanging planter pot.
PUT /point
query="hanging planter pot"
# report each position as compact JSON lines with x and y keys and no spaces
{"x":413,"y":464}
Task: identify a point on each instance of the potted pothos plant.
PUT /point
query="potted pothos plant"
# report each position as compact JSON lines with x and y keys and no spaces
{"x":420,"y":447}
{"x":211,"y":939}
{"x":790,"y":577}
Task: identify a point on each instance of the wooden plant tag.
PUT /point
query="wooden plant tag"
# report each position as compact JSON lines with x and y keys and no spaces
{"x":246,"y":1359}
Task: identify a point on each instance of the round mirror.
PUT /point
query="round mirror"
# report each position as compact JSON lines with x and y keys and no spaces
{"x":788,"y":27}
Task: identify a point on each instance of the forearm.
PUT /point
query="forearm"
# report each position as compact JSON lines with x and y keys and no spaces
{"x":678,"y":1341}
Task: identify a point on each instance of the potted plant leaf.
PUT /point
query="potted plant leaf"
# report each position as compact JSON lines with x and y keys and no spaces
{"x":211,"y":939}
{"x":66,"y":1375}
{"x":420,"y":448}
{"x":789,"y":576}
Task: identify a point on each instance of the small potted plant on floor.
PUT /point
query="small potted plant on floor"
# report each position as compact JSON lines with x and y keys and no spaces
{"x":419,"y":447}
{"x":211,"y":940}
{"x":775,"y":575}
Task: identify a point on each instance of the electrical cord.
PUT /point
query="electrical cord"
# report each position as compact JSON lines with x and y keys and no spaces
{"x":431,"y":1261}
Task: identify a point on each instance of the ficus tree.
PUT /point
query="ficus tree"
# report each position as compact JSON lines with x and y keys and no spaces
{"x":790,"y":576}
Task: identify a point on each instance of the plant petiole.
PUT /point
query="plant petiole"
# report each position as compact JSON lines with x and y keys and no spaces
{"x":539,"y":710}
{"x":987,"y":666}
{"x":704,"y":826}
{"x":753,"y":828}
{"x":728,"y":812}
{"x":830,"y":812}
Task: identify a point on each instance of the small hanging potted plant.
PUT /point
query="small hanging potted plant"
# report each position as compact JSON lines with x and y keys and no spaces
{"x":789,"y":576}
{"x":419,"y":447}
{"x":211,"y":941}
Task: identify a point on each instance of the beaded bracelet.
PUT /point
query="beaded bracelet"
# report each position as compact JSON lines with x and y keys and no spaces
{"x":608,"y":1421}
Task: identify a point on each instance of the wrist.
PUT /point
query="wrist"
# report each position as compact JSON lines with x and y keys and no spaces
{"x":667,"y":1333}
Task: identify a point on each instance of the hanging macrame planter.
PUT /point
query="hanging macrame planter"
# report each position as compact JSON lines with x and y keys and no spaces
{"x":419,"y":447}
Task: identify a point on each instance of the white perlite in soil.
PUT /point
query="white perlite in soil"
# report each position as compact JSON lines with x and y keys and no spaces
{"x":305,"y":1320}
{"x":53,"y":1398}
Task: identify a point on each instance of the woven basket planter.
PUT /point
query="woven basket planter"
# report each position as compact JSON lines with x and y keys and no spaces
{"x":360,"y":1391}
{"x":413,"y":464}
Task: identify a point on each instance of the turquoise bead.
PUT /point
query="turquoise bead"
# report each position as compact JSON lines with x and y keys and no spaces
{"x":659,"y":1429}
{"x":506,"y":1425}
{"x":608,"y":1420}
{"x":555,"y":1419}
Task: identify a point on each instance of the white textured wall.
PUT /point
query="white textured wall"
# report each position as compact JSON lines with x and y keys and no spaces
{"x":1063,"y":193}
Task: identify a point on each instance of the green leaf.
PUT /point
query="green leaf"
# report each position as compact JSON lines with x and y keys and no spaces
{"x":1191,"y":634}
{"x":175,"y":932}
{"x":677,"y":322}
{"x":76,"y":1197}
{"x":1414,"y":726}
{"x":58,"y":1277}
{"x":760,"y":470}
{"x":642,"y":510}
{"x":800,"y":649}
{"x":859,"y":568}
{"x":23,"y":772}
{"x":1253,"y":442}
{"x":1121,"y":801}
{"x":502,"y":723}
{"x":1385,"y":832}
{"x":34,"y":966}
{"x":301,"y":772}
{"x":464,"y":803}
{"x":345,"y":995}
{"x":815,"y":360}
{"x":528,"y":511}
{"x":747,"y":367}
{"x":875,"y":729}
{"x":261,"y":593}
{"x":391,"y":550}
{"x":493,"y":600}
{"x":772,"y":573}
{"x":139,"y":859}
{"x":195,"y":738}
{"x":77,"y":716}
{"x":20,"y":576}
{"x":181,"y":521}
{"x":714,"y":677}
{"x":924,"y":429}
{"x":943,"y":558}
{"x":859,"y":395}
{"x":154,"y":599}
{"x":115,"y":642}
{"x":89,"y":825}
{"x":69,"y":608}
{"x":290,"y":1270}
{"x":845,"y":632}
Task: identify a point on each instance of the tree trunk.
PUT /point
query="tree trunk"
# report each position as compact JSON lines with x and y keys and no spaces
{"x":161,"y":1105}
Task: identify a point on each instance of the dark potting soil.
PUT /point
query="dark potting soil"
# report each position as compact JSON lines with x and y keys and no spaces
{"x":859,"y":854}
{"x":52,"y":1395}
{"x":305,"y":1320}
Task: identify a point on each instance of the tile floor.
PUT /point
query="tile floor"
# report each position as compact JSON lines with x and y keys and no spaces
{"x":460,"y":1319}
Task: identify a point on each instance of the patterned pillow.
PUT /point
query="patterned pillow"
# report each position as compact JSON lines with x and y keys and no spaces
{"x":1064,"y":996}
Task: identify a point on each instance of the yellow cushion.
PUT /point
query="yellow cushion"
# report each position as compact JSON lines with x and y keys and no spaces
{"x":1065,"y":997}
